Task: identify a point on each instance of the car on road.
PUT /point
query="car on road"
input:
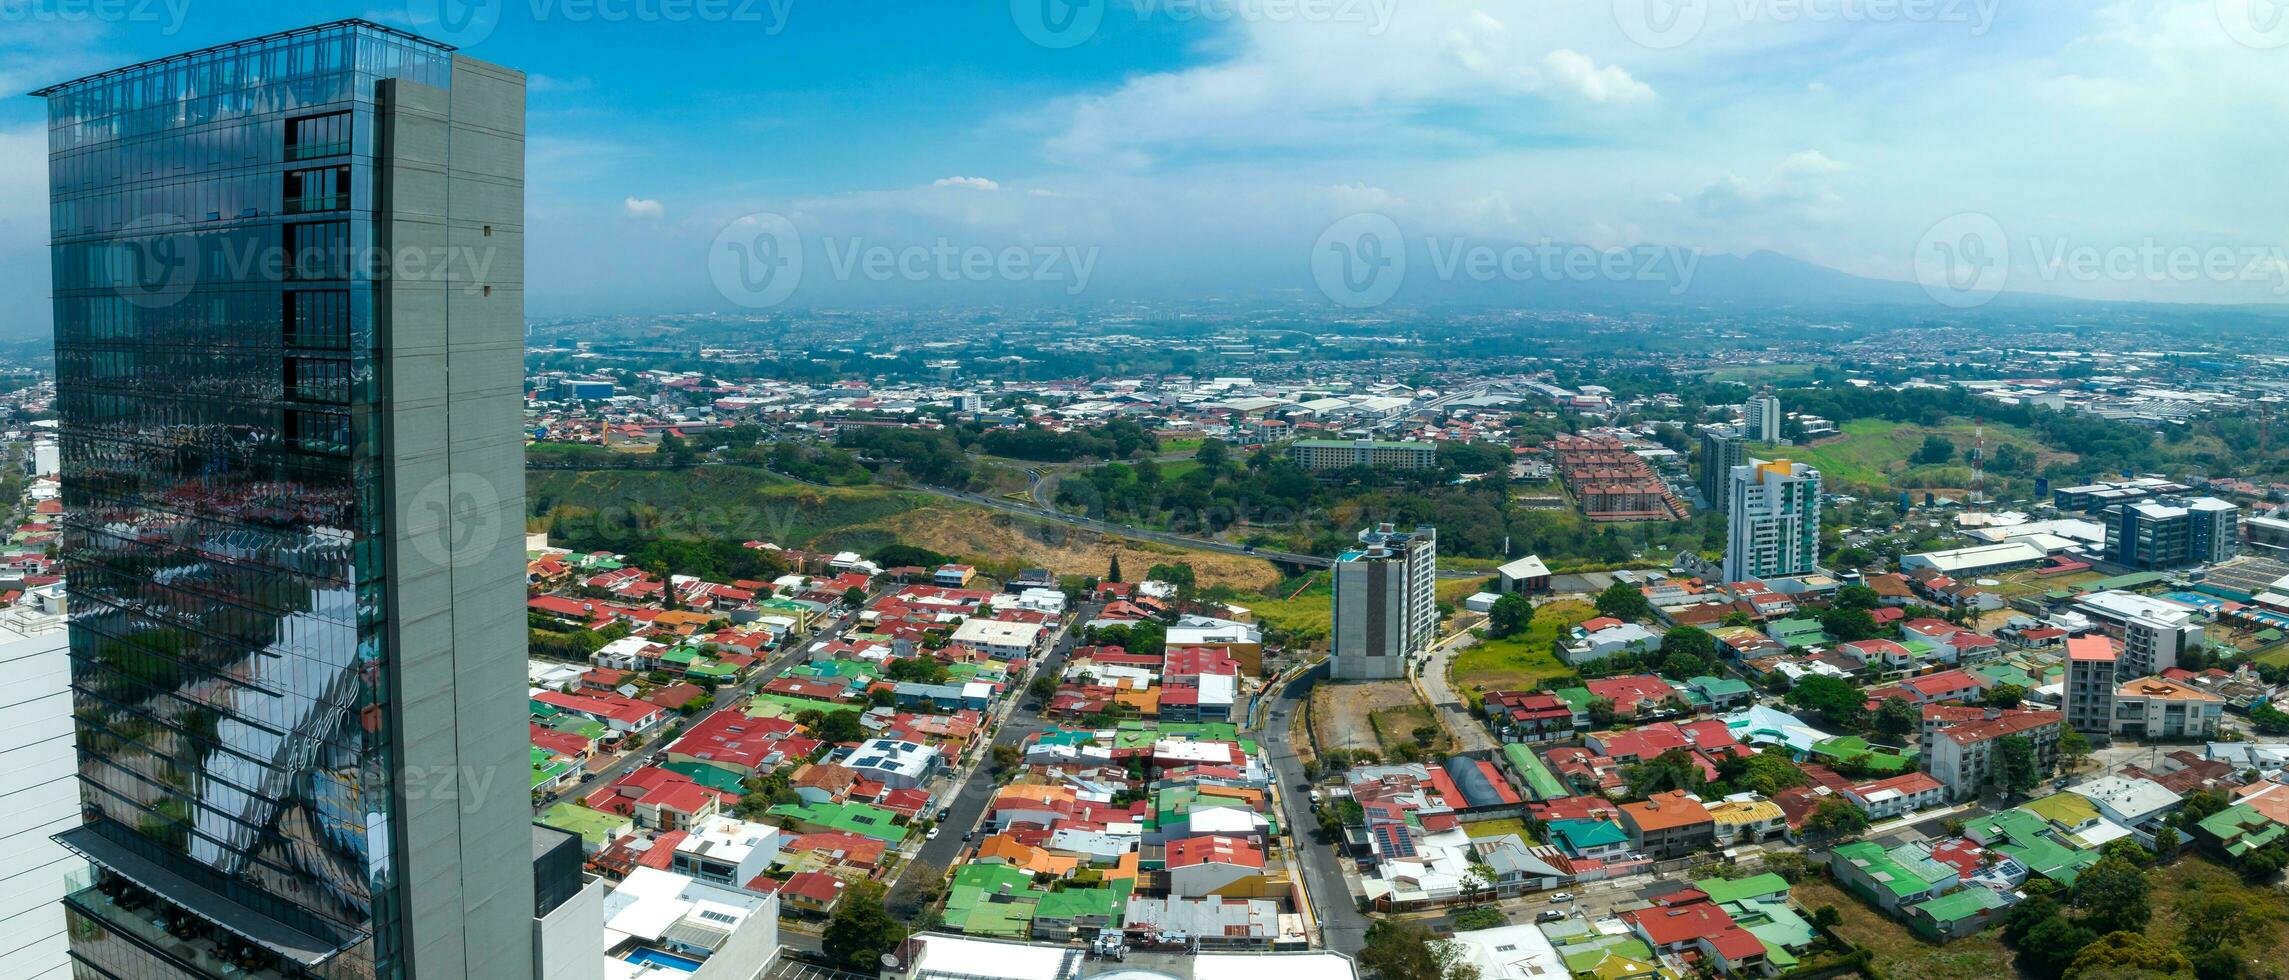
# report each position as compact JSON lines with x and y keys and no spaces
{"x":968,"y":837}
{"x":1550,"y":915}
{"x":1562,"y":897}
{"x":932,"y":835}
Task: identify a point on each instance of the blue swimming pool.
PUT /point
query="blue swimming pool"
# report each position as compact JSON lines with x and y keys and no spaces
{"x":654,"y":957}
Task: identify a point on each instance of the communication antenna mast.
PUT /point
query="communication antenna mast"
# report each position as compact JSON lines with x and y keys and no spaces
{"x":1978,"y":464}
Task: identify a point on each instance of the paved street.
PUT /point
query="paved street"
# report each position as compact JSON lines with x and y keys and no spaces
{"x":968,"y":802}
{"x":1341,"y":924}
{"x":1454,"y":711}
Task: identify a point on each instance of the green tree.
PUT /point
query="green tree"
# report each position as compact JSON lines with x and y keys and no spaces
{"x":1835,"y":817}
{"x":854,"y":597}
{"x":1405,"y":951}
{"x":1691,"y":641}
{"x":861,"y":930}
{"x":2051,"y":945}
{"x":1624,"y":601}
{"x":1849,"y":625}
{"x":2125,"y":953}
{"x":1675,"y":769}
{"x":1113,"y":568}
{"x":1857,"y":597}
{"x":2222,"y":918}
{"x":1510,"y":616}
{"x":1834,"y":698}
{"x":840,"y":726}
{"x":2074,"y":748}
{"x":2113,"y":896}
{"x":1898,"y":718}
{"x":2005,"y":696}
{"x":1936,"y":451}
{"x":2016,"y":770}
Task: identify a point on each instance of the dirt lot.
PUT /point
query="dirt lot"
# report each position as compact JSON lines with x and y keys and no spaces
{"x":1342,"y":715}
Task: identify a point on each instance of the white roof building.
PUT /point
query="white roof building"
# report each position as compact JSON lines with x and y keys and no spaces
{"x":688,"y":916}
{"x":894,"y":763}
{"x":1513,"y":953}
{"x":2131,"y":802}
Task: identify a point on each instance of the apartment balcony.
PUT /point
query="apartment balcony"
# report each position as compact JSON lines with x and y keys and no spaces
{"x":127,"y":931}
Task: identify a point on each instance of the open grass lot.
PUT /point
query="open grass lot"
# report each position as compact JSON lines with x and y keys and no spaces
{"x":1522,"y":661}
{"x":1396,"y":725}
{"x":1343,"y":716}
{"x":1900,"y":954}
{"x":1303,"y":615}
{"x":2194,"y":875}
{"x":1877,"y":453}
{"x":1497,"y":828}
{"x":1455,"y":590}
{"x":2276,"y":657}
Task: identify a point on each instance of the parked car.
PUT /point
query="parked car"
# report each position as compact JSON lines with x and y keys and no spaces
{"x":1562,"y":897}
{"x":932,"y":835}
{"x":1550,"y":915}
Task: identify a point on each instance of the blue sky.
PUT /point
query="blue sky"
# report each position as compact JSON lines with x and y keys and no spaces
{"x":2122,"y":150}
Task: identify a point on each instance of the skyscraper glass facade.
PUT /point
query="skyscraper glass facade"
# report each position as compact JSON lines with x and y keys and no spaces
{"x":214,"y":239}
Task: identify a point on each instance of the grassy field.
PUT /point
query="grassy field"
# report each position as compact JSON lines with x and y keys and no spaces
{"x":702,"y":502}
{"x":989,"y":538}
{"x":1877,"y":453}
{"x":1497,"y":828}
{"x":1304,"y":617}
{"x":1343,"y":716}
{"x":2193,"y":875}
{"x":1396,"y":725}
{"x":1522,"y":661}
{"x":1900,"y":954}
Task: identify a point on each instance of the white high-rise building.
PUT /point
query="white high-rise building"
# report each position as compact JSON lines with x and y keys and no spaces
{"x":1763,"y":414}
{"x":1772,"y":516}
{"x":1386,"y":602}
{"x":39,"y":786}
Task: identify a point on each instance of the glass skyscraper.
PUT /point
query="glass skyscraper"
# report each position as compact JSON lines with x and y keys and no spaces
{"x":289,"y":311}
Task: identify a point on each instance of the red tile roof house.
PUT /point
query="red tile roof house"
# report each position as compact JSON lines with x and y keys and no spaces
{"x":658,"y":799}
{"x":1941,"y":688}
{"x":845,"y":849}
{"x":1632,"y":695}
{"x":1523,"y":716}
{"x":1884,"y":799}
{"x":1199,"y":866}
{"x":1699,"y":927}
{"x":743,"y":746}
{"x":616,"y":712}
{"x":809,"y":891}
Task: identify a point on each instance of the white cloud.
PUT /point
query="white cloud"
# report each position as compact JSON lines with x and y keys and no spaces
{"x":1576,"y":71}
{"x":1331,"y":86}
{"x":645,"y":208}
{"x":973,"y":183}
